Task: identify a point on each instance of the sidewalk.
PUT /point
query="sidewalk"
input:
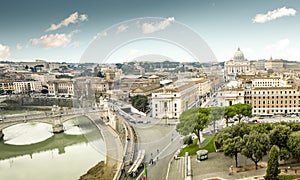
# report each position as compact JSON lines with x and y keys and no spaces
{"x":217,"y":166}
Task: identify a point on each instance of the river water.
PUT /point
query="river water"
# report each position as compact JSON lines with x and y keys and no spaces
{"x":32,"y":151}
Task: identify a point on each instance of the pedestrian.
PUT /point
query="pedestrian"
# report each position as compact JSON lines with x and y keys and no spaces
{"x":230,"y":170}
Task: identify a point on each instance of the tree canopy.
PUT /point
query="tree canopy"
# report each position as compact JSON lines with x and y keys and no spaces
{"x":256,"y":146}
{"x":273,"y":164}
{"x":193,"y":121}
{"x":230,"y":112}
{"x":139,"y":102}
{"x":242,"y":110}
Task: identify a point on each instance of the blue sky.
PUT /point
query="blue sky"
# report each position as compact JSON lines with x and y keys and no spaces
{"x":26,"y":32}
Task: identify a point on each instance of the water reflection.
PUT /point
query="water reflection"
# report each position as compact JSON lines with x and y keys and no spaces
{"x":62,"y":156}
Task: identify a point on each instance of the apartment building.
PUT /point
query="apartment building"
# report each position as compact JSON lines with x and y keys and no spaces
{"x":27,"y":86}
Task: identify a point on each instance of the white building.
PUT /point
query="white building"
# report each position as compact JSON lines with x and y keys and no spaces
{"x":63,"y":87}
{"x":170,"y":101}
{"x":27,"y":86}
{"x":233,"y":93}
{"x":235,"y":66}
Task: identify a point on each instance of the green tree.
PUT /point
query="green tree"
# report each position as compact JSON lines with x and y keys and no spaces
{"x":193,"y":121}
{"x":44,"y":91}
{"x":263,"y":128}
{"x":100,"y":74}
{"x":216,"y":114}
{"x":231,"y":139}
{"x":229,"y":112}
{"x":203,"y":119}
{"x":140,"y":102}
{"x":294,"y":144}
{"x":255,"y":146}
{"x":232,"y":147}
{"x":279,"y":135}
{"x":273,"y":164}
{"x":242,"y":110}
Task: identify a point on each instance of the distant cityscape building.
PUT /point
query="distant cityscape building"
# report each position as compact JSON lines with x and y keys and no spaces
{"x":27,"y":86}
{"x":267,"y":95}
{"x":235,"y":66}
{"x":170,"y":101}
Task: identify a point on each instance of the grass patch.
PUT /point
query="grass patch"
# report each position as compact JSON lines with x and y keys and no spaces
{"x":193,"y":148}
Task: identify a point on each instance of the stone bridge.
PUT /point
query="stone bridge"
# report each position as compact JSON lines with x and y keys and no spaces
{"x":55,"y":120}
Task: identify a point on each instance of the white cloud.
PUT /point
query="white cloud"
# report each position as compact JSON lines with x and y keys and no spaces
{"x":279,"y":45}
{"x":19,"y":46}
{"x":271,"y":15}
{"x":72,"y":19}
{"x":122,"y":28}
{"x":83,"y":17}
{"x":52,"y":40}
{"x":150,"y":28}
{"x":4,"y":51}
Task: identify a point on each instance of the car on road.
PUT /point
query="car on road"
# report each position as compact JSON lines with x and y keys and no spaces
{"x":253,"y":121}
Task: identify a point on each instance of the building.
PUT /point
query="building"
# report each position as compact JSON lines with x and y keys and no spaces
{"x":274,"y":64}
{"x":267,"y":95}
{"x":233,"y":93}
{"x":6,"y":86}
{"x":171,"y":100}
{"x":61,"y":87}
{"x":27,"y":87}
{"x":235,"y":66}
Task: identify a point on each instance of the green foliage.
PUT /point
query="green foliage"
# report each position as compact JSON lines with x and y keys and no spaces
{"x":193,"y":121}
{"x":284,"y":154}
{"x":203,"y":119}
{"x":187,"y":120}
{"x":243,"y":110}
{"x":294,"y":144}
{"x":140,"y":102}
{"x":193,"y":148}
{"x":279,"y":135}
{"x":294,"y":126}
{"x":232,"y":147}
{"x":99,"y":74}
{"x":44,"y":91}
{"x":231,"y":139}
{"x":188,"y":140}
{"x":216,"y":113}
{"x":240,"y":130}
{"x":230,"y":112}
{"x":273,"y":164}
{"x":255,"y":146}
{"x":63,"y":76}
{"x":119,"y":65}
{"x":263,"y":127}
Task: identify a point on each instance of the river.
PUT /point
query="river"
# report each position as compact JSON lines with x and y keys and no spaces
{"x":32,"y":151}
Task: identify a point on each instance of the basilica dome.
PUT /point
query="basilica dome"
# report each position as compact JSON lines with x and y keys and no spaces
{"x":238,"y":55}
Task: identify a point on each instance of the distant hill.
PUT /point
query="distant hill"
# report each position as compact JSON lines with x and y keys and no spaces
{"x":153,"y":58}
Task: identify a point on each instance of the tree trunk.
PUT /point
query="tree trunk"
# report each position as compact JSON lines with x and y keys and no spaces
{"x":240,"y":119}
{"x":199,"y":137}
{"x":226,"y":122}
{"x":256,"y":165}
{"x":236,"y":160}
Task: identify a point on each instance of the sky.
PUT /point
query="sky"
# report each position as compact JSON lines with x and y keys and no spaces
{"x":64,"y":30}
